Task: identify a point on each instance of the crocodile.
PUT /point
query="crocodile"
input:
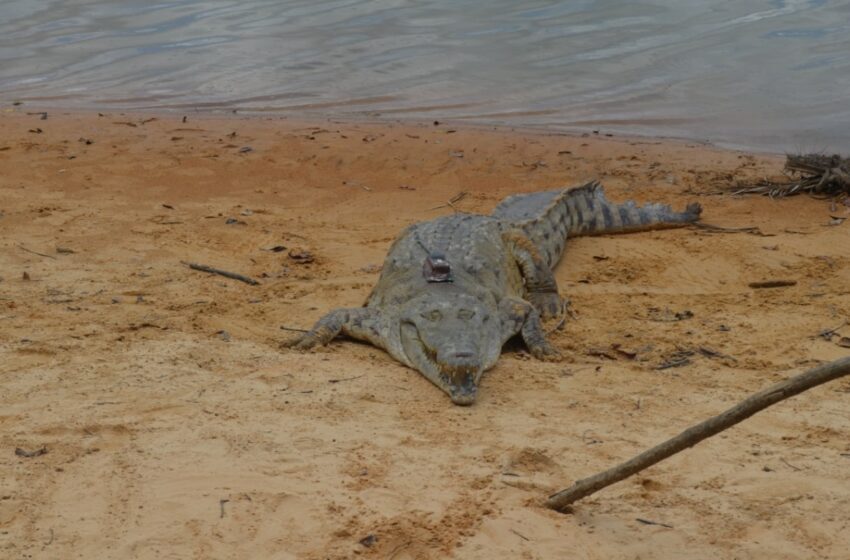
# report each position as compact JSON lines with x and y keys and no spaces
{"x":454,"y":289}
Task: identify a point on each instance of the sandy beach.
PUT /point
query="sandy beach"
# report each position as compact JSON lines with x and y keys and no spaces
{"x":174,"y":426}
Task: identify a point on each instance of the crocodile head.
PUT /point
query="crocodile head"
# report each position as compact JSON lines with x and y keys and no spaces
{"x":451,"y":338}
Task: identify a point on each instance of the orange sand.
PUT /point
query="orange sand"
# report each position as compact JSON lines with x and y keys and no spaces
{"x":176,"y":428}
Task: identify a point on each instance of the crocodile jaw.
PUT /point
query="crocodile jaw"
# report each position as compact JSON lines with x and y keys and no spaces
{"x":459,"y":380}
{"x":462,"y":382}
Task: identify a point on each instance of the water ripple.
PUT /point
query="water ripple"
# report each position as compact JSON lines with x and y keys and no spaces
{"x":766,"y":74}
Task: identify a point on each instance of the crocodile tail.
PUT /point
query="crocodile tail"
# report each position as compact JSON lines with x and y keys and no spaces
{"x":548,"y":218}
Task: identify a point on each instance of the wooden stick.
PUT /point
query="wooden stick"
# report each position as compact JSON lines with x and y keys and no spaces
{"x":21,"y":247}
{"x":720,"y":229}
{"x":451,"y":202}
{"x":695,"y":434}
{"x":772,"y":284}
{"x":226,"y":274}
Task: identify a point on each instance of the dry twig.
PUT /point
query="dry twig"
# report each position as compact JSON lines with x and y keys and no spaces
{"x":720,"y":229}
{"x":650,"y":522}
{"x":452,"y":201}
{"x":30,"y":454}
{"x":226,"y":274}
{"x":772,"y":284}
{"x":759,"y":401}
{"x":21,"y":247}
{"x":817,"y":174}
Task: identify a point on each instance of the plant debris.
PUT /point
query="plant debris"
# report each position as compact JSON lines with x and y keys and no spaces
{"x":667,"y":316}
{"x":808,"y":173}
{"x":225,"y":273}
{"x":677,"y":359}
{"x":772,"y":284}
{"x":301,"y":256}
{"x":368,"y":540}
{"x":650,"y":522}
{"x":30,"y":454}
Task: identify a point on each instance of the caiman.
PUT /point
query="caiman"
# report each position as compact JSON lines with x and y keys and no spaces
{"x":454,"y":289}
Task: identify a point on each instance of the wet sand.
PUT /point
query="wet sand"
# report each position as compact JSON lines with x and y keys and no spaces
{"x":175,"y":427}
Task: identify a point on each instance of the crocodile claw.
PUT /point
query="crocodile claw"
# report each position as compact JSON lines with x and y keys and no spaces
{"x":546,"y":352}
{"x":549,"y":305}
{"x":303,"y":342}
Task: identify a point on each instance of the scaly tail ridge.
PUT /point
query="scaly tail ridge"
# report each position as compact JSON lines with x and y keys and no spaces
{"x":549,"y":218}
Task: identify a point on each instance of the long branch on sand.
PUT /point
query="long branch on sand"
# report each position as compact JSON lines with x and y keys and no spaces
{"x":560,"y":501}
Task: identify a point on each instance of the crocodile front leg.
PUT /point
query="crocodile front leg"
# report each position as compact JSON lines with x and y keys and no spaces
{"x":541,"y":289}
{"x":362,"y":323}
{"x":519,"y":316}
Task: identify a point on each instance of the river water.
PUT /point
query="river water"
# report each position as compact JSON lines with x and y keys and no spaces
{"x":765,"y":75}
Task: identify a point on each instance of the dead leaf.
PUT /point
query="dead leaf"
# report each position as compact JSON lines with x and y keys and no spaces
{"x":301,"y":256}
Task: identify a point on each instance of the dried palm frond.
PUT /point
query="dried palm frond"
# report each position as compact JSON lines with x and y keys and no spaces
{"x":810,"y":173}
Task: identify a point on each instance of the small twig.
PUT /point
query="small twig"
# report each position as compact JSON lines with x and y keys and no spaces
{"x":754,"y":403}
{"x":452,"y":201}
{"x":772,"y":284}
{"x":293,"y":329}
{"x":648,"y":522}
{"x":709,"y":353}
{"x":720,"y":229}
{"x":221,"y":503}
{"x":344,"y":379}
{"x":674,"y":362}
{"x":827,"y":334}
{"x":520,"y":535}
{"x":790,"y":465}
{"x":398,"y":549}
{"x":211,"y":270}
{"x":36,"y":252}
{"x":458,"y":197}
{"x":30,"y":454}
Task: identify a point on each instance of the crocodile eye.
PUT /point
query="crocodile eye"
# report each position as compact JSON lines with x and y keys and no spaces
{"x":433,"y":315}
{"x":465,"y":314}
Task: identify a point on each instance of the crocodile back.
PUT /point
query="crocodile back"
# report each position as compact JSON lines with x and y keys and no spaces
{"x":549,"y":218}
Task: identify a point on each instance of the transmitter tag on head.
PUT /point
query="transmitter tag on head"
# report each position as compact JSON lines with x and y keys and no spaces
{"x":437,"y":269}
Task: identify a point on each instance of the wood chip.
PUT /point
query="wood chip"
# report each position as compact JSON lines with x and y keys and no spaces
{"x":30,"y":454}
{"x":772,"y":284}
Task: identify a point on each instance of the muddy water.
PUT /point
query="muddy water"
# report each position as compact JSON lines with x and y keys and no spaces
{"x":757,"y":74}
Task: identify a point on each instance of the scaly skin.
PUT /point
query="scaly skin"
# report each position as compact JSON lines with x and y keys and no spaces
{"x":502,"y":284}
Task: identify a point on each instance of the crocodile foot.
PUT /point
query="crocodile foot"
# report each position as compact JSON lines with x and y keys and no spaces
{"x":319,"y":336}
{"x":545,"y":352}
{"x":549,"y":305}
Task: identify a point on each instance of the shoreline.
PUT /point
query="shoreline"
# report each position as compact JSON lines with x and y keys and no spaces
{"x":377,"y":119}
{"x":173,"y":422}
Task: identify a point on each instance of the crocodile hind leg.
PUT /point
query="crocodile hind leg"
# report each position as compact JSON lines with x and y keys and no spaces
{"x":541,"y":289}
{"x":361,"y":323}
{"x":520,"y":317}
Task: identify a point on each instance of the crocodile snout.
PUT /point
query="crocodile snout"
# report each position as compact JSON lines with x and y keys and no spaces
{"x":460,"y":371}
{"x":462,"y":389}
